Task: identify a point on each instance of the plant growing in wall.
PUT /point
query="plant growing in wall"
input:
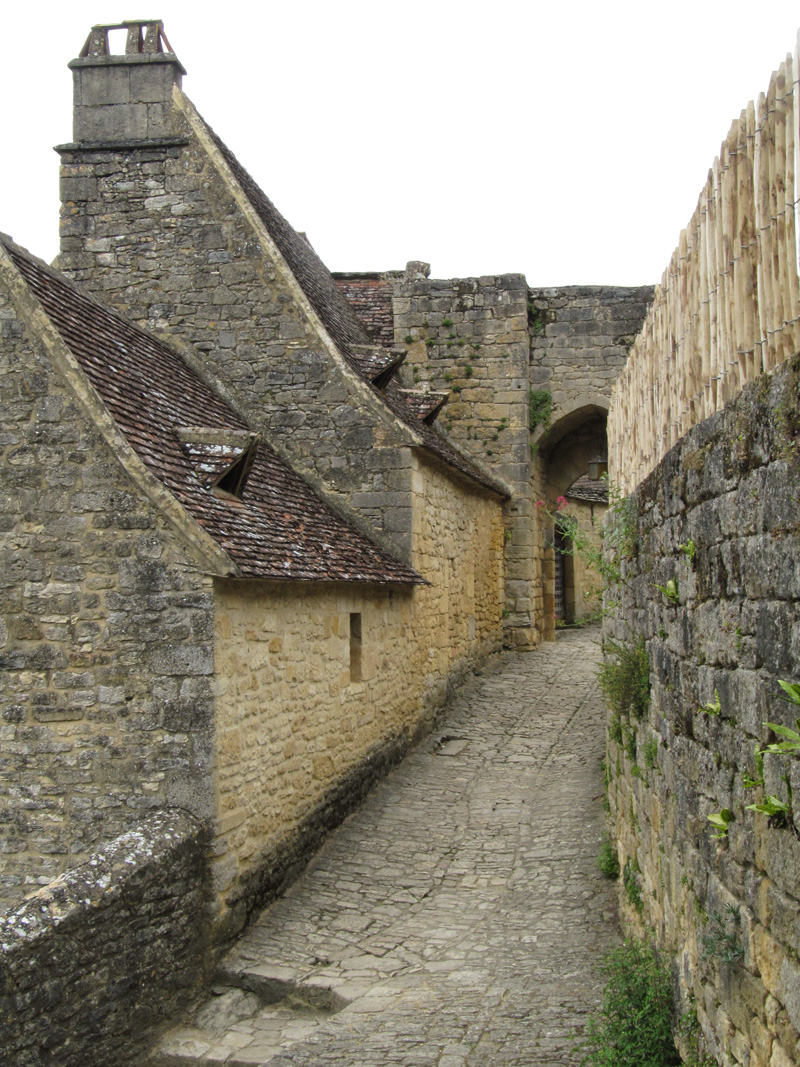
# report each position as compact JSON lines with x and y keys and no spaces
{"x":630,"y":882}
{"x":670,"y":591}
{"x":625,"y":678}
{"x":713,"y":707}
{"x":608,"y":861}
{"x":540,"y":409}
{"x":779,"y":812}
{"x":690,"y":551}
{"x":721,"y":821}
{"x":722,"y":938}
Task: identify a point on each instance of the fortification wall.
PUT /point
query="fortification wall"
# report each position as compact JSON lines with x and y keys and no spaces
{"x":106,"y":634}
{"x":91,"y":963}
{"x":320,"y":688}
{"x":469,"y":337}
{"x":579,"y":340}
{"x":719,"y":517}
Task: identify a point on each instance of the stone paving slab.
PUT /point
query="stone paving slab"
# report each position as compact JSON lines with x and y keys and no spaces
{"x":457,"y":918}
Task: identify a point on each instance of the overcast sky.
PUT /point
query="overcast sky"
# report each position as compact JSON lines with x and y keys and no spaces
{"x":567,"y":142}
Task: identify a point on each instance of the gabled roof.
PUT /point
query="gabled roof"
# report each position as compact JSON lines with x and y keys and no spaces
{"x":591,"y":490}
{"x":279,"y":528}
{"x":341,"y":322}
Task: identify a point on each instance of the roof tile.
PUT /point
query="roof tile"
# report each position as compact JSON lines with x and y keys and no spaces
{"x":280,"y":528}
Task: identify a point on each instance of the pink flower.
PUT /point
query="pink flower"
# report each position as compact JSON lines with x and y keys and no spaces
{"x":561,"y":503}
{"x":539,"y":504}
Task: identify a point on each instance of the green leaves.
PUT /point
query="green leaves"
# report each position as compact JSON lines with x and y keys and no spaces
{"x":633,"y":1027}
{"x":721,"y":821}
{"x":751,"y":783}
{"x":670,"y":590}
{"x":689,"y":550}
{"x":791,"y":746}
{"x":714,"y":707}
{"x":776,"y":809}
{"x":792,"y":690}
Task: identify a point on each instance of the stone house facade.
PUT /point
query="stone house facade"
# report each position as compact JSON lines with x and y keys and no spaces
{"x":243,"y":565}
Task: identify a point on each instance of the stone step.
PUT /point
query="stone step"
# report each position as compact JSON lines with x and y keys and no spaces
{"x":247,"y":1018}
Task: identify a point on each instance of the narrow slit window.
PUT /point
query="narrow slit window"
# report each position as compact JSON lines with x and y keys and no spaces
{"x":355,"y":646}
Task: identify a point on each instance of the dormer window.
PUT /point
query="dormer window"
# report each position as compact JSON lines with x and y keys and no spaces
{"x":222,"y":459}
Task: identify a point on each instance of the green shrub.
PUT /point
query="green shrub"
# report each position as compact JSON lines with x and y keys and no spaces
{"x":607,"y":861}
{"x":540,"y":408}
{"x":631,"y":885}
{"x":625,"y":678}
{"x":633,"y":1027}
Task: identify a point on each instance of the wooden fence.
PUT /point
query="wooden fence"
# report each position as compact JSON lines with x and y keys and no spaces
{"x":728,"y":306}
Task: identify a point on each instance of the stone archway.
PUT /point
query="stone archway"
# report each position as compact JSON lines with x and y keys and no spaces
{"x":570,"y":589}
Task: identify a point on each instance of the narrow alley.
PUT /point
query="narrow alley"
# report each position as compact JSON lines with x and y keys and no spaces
{"x":457,"y":919}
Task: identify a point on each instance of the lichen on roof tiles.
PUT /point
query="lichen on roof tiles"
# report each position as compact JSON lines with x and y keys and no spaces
{"x":280,"y":528}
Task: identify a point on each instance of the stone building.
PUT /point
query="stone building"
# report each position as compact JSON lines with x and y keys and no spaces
{"x":243,"y":565}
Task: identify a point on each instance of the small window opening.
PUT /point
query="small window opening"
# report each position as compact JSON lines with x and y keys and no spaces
{"x":355,"y":646}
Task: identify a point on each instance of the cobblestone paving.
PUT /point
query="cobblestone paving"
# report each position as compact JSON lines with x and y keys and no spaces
{"x":459,"y":914}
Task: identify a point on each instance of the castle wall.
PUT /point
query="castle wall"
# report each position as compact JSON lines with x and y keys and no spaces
{"x":579,"y":340}
{"x":164,"y":236}
{"x":106,"y":634}
{"x":469,"y":337}
{"x":310,"y":712}
{"x":728,"y":907}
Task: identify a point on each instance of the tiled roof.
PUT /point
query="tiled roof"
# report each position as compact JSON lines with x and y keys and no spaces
{"x":370,"y":296}
{"x":339,"y":318}
{"x":586,"y":488}
{"x":279,"y":528}
{"x":424,"y":405}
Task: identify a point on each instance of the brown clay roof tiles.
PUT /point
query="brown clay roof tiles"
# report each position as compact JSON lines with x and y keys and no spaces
{"x":370,"y":296}
{"x":279,"y":528}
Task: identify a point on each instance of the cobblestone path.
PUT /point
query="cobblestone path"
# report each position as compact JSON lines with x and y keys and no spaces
{"x":459,"y":915}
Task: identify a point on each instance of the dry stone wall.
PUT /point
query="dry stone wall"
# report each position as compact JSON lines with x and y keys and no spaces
{"x":106,"y":634}
{"x":321,"y":687}
{"x":720,"y":518}
{"x":90,"y":964}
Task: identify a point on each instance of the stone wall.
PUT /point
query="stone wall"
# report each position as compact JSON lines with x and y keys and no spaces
{"x":469,"y":337}
{"x":95,"y":960}
{"x":579,"y":340}
{"x":718,"y":647}
{"x":106,"y":634}
{"x":165,"y":236}
{"x":321,"y":687}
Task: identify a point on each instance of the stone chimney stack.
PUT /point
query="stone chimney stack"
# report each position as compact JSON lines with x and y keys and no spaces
{"x":124,"y":98}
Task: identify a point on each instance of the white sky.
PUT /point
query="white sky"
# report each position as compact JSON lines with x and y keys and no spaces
{"x":569,"y":143}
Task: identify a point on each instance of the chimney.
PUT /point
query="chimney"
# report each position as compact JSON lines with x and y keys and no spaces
{"x":124,"y":99}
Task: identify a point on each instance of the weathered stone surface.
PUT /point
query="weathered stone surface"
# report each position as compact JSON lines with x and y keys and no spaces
{"x":96,"y":959}
{"x":729,"y":487}
{"x":459,"y":915}
{"x":99,"y":599}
